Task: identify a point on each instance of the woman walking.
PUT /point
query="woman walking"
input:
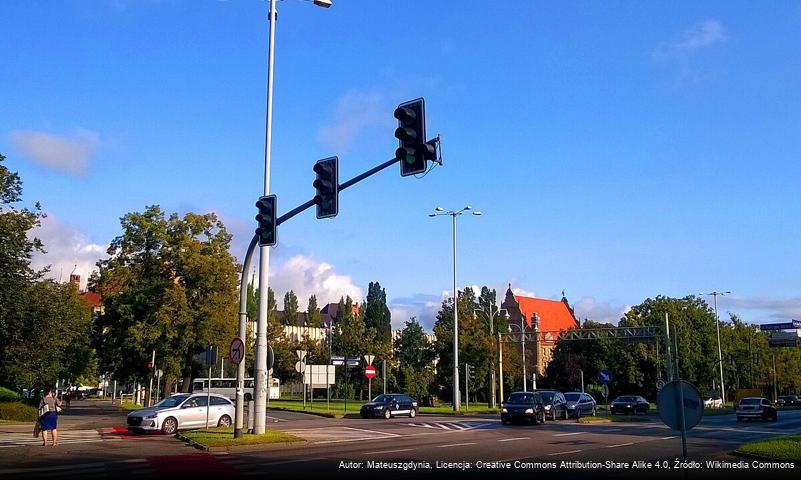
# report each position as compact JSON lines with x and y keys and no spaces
{"x":48,"y":417}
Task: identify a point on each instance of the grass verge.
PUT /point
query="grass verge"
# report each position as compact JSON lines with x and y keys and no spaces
{"x":616,"y":418}
{"x":718,"y":411}
{"x":223,"y":437}
{"x":18,"y":412}
{"x":130,"y":406}
{"x":781,"y":448}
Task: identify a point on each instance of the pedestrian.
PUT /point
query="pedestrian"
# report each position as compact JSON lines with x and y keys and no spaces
{"x":68,"y":397}
{"x":49,"y":407}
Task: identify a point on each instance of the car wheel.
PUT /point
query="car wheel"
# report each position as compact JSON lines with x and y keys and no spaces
{"x":553,"y":414}
{"x":387,"y":414}
{"x":503,"y":421}
{"x":412,"y":413}
{"x":225,"y":421}
{"x":566,"y":415}
{"x":739,"y":419}
{"x":170,"y":426}
{"x":645,"y":411}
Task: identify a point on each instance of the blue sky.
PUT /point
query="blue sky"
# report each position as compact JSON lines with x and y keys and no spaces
{"x":618,"y":151}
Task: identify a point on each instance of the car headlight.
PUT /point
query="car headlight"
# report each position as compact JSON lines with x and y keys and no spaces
{"x":529,"y":411}
{"x":378,"y":407}
{"x":572,"y":407}
{"x":150,"y":417}
{"x":504,"y":410}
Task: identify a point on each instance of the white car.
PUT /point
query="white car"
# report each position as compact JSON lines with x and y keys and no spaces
{"x":183,"y":411}
{"x":713,"y":402}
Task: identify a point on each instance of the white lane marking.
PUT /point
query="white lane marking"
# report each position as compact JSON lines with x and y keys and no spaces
{"x":612,"y":430}
{"x":459,"y":426}
{"x":620,"y":445}
{"x":373,"y":431}
{"x":667,"y":438}
{"x":389,"y":451}
{"x":456,"y":444}
{"x":513,"y":439}
{"x":563,"y":453}
{"x":566,"y":434}
{"x":443,"y":426}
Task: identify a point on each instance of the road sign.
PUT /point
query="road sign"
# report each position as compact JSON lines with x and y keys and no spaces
{"x":369,"y":371}
{"x":270,"y":359}
{"x":605,"y":390}
{"x":353,"y":361}
{"x":211,"y":355}
{"x":605,"y":377}
{"x":369,"y":359}
{"x":300,"y":367}
{"x":301,"y":354}
{"x":159,"y":372}
{"x":337,"y":360}
{"x":669,"y":402}
{"x":236,"y":351}
{"x":792,"y":324}
{"x":660,"y":384}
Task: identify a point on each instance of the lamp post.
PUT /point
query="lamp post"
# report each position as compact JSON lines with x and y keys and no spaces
{"x":491,"y":315}
{"x":720,"y":352}
{"x":453,"y":214}
{"x":260,"y":380}
{"x":523,"y":344}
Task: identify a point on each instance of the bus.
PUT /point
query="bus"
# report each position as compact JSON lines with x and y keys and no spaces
{"x":227,"y":387}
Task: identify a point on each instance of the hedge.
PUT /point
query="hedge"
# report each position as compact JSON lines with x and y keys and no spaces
{"x":8,"y":395}
{"x":18,"y":412}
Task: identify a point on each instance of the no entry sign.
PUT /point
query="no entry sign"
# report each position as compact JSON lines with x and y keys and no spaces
{"x":369,"y":371}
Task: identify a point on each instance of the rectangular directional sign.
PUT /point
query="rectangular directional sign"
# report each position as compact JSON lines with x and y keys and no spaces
{"x":781,"y":326}
{"x":337,"y":360}
{"x":353,"y":361}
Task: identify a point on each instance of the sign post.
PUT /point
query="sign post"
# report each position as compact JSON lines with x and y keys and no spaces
{"x":300,"y":367}
{"x":680,"y":408}
{"x":211,"y":359}
{"x":369,"y":372}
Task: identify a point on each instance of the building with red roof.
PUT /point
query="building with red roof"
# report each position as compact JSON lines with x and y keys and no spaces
{"x":546,"y":317}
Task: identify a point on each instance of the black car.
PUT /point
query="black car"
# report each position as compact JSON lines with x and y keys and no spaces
{"x":523,"y":406}
{"x":390,"y":405}
{"x":555,"y":404}
{"x":580,"y":404}
{"x":788,"y":401}
{"x":756,"y":407}
{"x":629,"y":405}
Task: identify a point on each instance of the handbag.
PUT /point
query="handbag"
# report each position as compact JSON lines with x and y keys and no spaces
{"x":59,"y":409}
{"x":37,"y":429}
{"x":45,"y":408}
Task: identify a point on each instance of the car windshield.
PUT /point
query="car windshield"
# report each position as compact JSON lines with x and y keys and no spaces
{"x":626,"y":399}
{"x":547,"y":397}
{"x":170,"y":402}
{"x":572,"y":397}
{"x":382,"y":398}
{"x":521,"y":398}
{"x":750,"y":401}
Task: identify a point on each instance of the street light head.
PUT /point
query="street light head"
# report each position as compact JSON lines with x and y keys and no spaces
{"x":439,"y":209}
{"x":510,"y":329}
{"x":432,"y":214}
{"x":467,"y":207}
{"x":323,"y":3}
{"x":477,"y":213}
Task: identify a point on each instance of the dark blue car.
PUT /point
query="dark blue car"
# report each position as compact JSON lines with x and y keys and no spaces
{"x":390,"y":405}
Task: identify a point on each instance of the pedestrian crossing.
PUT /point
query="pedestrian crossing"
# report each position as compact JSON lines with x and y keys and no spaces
{"x":454,"y":426}
{"x":65,"y":437}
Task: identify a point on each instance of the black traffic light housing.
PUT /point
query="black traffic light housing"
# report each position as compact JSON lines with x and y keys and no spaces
{"x":413,"y":151}
{"x":327,"y":186}
{"x":266,"y":218}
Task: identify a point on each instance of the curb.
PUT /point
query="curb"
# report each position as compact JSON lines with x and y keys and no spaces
{"x":317,"y":414}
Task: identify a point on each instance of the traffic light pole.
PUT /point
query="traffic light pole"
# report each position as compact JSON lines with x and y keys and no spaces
{"x":243,"y":325}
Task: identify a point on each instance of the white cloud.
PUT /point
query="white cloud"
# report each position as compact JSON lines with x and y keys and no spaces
{"x":306,"y":276}
{"x":591,"y":309}
{"x":761,"y":309}
{"x":65,"y":153}
{"x":701,"y":35}
{"x":354,"y":111}
{"x":68,"y":250}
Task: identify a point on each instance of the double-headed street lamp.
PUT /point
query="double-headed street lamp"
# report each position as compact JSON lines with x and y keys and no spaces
{"x":720,"y":352}
{"x":455,"y":213}
{"x":491,"y":315}
{"x":260,"y":380}
{"x":523,"y":343}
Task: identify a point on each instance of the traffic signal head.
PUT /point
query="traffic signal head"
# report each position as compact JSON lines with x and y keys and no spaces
{"x":266,"y":219}
{"x":413,"y":151}
{"x":327,"y":186}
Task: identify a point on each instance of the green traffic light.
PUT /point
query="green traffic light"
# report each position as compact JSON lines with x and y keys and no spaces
{"x":410,"y":159}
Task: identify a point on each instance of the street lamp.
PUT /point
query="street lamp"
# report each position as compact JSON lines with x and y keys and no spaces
{"x":491,"y":316}
{"x":523,"y":343}
{"x":260,"y":380}
{"x":720,"y":353}
{"x":455,"y":213}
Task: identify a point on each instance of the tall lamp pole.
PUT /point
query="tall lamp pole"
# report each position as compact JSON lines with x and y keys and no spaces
{"x":720,"y":352}
{"x":454,"y":213}
{"x":523,"y":345}
{"x":260,"y":380}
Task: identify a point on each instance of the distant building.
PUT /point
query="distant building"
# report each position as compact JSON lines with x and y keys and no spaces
{"x":555,"y":316}
{"x":92,"y":298}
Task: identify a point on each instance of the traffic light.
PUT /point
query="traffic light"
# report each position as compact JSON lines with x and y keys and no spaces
{"x":327,"y":186}
{"x":150,"y":365}
{"x":266,"y":219}
{"x":413,"y":151}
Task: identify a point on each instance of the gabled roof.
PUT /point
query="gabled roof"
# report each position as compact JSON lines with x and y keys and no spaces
{"x":554,"y":315}
{"x":93,"y":298}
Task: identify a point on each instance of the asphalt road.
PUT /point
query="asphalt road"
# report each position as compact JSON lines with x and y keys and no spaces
{"x":433,"y":445}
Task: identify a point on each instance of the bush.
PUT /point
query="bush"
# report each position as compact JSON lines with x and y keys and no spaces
{"x":18,"y":412}
{"x":7,"y":395}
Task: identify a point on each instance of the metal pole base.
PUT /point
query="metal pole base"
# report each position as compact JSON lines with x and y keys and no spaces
{"x":237,"y":433}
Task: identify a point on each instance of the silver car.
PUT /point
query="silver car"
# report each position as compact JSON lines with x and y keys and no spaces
{"x":182,"y":411}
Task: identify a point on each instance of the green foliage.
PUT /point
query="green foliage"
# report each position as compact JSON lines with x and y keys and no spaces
{"x":290,"y":309}
{"x":8,"y":395}
{"x":376,"y":312}
{"x":18,"y":412}
{"x":313,"y":312}
{"x":170,"y":285}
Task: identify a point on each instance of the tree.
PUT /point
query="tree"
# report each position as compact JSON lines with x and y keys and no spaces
{"x":169,"y":285}
{"x":376,"y":312}
{"x":313,"y":318}
{"x":415,"y":359}
{"x":290,"y":309}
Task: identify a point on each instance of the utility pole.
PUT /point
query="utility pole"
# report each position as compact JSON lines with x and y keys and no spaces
{"x":720,"y":351}
{"x":775,"y":380}
{"x":500,"y":368}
